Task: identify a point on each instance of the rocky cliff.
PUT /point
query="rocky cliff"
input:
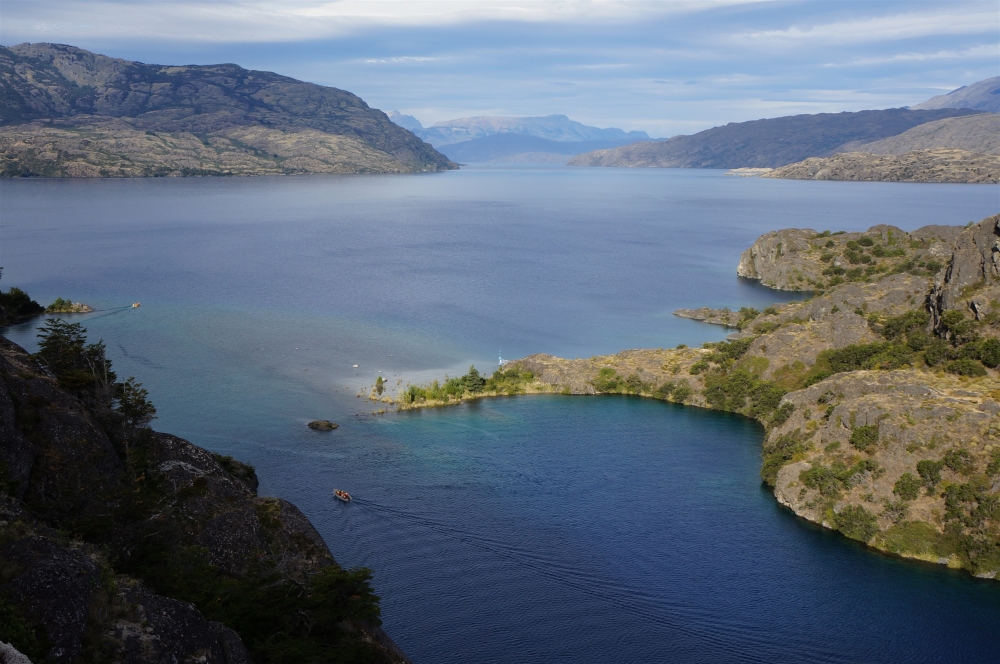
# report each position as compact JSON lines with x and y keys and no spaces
{"x":121,"y":544}
{"x":65,"y":111}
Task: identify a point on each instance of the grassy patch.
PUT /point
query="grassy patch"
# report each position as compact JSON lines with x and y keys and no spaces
{"x":915,"y":538}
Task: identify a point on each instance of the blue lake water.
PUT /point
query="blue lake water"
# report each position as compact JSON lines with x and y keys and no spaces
{"x":535,"y":529}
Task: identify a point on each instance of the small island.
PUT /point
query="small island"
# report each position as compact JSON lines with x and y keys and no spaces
{"x":879,"y":396}
{"x":61,"y":306}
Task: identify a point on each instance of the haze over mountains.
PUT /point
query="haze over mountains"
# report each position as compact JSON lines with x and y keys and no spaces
{"x":551,"y":138}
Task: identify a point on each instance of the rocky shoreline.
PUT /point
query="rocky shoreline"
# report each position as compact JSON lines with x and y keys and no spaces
{"x":880,"y":395}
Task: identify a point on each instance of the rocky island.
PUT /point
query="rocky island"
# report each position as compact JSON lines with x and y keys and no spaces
{"x":879,"y":396}
{"x":122,"y":544}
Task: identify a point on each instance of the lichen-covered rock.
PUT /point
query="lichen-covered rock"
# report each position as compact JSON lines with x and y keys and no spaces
{"x":160,"y":630}
{"x":56,"y":586}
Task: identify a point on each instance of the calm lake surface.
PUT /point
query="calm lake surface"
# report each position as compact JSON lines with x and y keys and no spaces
{"x":535,"y":529}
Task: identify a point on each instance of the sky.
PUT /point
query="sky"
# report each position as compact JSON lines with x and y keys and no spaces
{"x":664,"y":66}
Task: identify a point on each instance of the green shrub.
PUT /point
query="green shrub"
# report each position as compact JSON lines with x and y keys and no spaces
{"x":741,"y":391}
{"x":937,"y":351}
{"x":728,"y":350}
{"x":634,"y":384}
{"x":747,"y":314}
{"x":884,"y":355}
{"x":607,"y":380}
{"x":823,"y":479}
{"x":966,"y":367}
{"x":857,"y":523}
{"x":770,"y":311}
{"x":866,"y":242}
{"x":766,"y":326}
{"x":777,"y":453}
{"x":907,"y":486}
{"x":986,"y":351}
{"x":864,"y":438}
{"x":682,"y":392}
{"x":959,"y":460}
{"x":930,"y":473}
{"x":993,"y":467}
{"x":831,"y":481}
{"x":957,"y":327}
{"x":781,"y":415}
{"x":698,"y":367}
{"x":904,"y":325}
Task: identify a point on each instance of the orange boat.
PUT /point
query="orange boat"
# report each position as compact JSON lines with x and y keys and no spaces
{"x":342,"y":495}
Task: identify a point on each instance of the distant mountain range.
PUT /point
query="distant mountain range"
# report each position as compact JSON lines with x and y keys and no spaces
{"x":551,"y":138}
{"x":772,"y":143}
{"x":767,"y":143}
{"x":510,"y":147}
{"x":981,"y":96}
{"x":67,"y":111}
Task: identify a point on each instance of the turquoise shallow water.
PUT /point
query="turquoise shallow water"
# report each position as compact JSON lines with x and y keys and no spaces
{"x":528,"y":530}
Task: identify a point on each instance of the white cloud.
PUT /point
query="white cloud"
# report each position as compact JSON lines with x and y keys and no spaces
{"x":975,"y":52}
{"x":882,"y":28}
{"x":293,"y":20}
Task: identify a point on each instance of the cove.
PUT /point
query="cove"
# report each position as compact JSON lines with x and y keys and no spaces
{"x":534,"y":529}
{"x":622,"y":529}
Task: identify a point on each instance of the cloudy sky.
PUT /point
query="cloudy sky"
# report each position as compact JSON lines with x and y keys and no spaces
{"x":665,"y":66}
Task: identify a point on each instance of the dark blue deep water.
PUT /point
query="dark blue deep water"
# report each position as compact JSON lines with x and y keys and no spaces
{"x":535,"y":529}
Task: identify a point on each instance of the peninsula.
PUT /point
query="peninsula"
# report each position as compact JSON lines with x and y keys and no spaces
{"x":67,"y":112}
{"x":879,"y":396}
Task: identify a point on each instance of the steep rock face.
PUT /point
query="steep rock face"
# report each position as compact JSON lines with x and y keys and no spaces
{"x":802,"y":259}
{"x":972,"y":281}
{"x":149,"y":510}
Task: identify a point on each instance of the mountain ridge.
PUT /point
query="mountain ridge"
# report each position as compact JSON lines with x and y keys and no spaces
{"x":981,"y":96}
{"x":767,"y":143}
{"x":64,"y":83}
